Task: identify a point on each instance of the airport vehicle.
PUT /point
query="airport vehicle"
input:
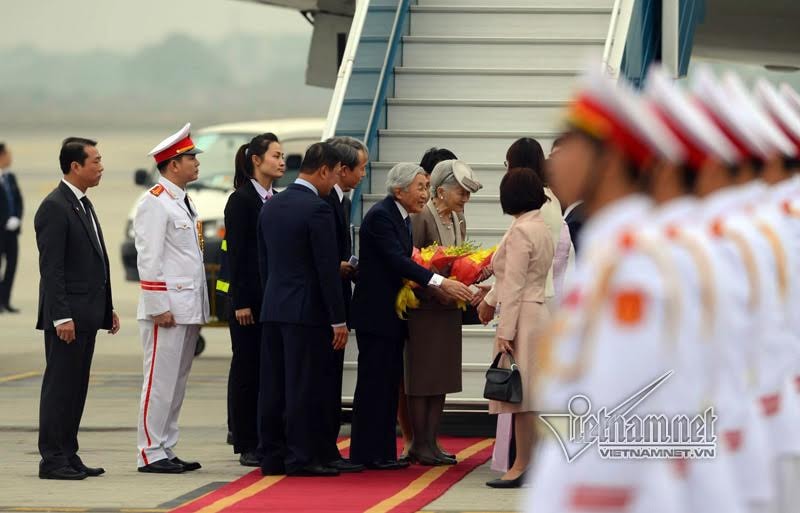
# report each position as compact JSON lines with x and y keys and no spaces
{"x":210,"y":192}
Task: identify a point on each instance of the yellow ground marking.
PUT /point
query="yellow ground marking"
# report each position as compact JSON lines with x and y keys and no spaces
{"x":259,"y":486}
{"x":17,"y":377}
{"x":344,"y":444}
{"x":423,"y":481}
{"x":143,"y":510}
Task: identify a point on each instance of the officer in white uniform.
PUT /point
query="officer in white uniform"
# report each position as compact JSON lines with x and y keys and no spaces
{"x":619,"y":310}
{"x":173,"y":303}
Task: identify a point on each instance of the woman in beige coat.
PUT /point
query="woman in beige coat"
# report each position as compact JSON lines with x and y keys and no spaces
{"x":433,"y":349}
{"x":521,"y":265}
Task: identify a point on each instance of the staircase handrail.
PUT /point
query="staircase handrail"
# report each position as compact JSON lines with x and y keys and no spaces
{"x":371,"y":133}
{"x":346,"y":68}
{"x":614,"y":47}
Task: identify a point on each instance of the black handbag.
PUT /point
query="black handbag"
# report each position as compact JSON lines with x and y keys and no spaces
{"x":503,"y":384}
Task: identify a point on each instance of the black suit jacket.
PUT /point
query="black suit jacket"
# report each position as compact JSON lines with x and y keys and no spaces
{"x":575,"y":220}
{"x":343,"y":242}
{"x":5,"y":208}
{"x":385,"y":248}
{"x":74,"y":278}
{"x":241,"y":234}
{"x":299,"y":260}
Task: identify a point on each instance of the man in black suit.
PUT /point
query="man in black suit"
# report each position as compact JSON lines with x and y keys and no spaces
{"x":574,"y":213}
{"x":10,"y":221}
{"x":303,"y":314}
{"x":74,"y":302}
{"x":354,"y":157}
{"x":385,"y":260}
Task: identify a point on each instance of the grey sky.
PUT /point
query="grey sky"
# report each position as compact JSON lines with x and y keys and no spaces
{"x":79,"y":25}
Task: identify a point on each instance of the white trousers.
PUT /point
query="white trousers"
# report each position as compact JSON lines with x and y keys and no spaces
{"x":168,"y":354}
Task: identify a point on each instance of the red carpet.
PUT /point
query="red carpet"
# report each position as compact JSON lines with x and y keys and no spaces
{"x":399,"y":491}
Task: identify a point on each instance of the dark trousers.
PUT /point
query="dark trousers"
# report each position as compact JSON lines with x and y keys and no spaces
{"x":380,"y":366}
{"x":243,"y":385}
{"x":333,"y":404}
{"x":9,"y":249}
{"x":64,"y":386}
{"x":291,"y":403}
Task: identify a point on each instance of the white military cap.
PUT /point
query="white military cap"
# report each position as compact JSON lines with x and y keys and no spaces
{"x":779,"y":108}
{"x":762,"y":128}
{"x":613,"y":113}
{"x":791,"y":96}
{"x":722,"y":110}
{"x":179,"y":143}
{"x":701,"y":138}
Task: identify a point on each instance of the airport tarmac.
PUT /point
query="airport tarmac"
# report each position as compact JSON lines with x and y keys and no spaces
{"x":108,"y":431}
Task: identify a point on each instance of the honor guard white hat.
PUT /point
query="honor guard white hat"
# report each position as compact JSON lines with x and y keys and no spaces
{"x":780,"y":110}
{"x":722,"y":110}
{"x":791,"y":96}
{"x":179,"y":143}
{"x":764,"y":131}
{"x":611,"y":112}
{"x":701,"y":138}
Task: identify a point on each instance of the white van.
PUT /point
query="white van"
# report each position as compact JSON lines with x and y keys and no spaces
{"x":210,"y":193}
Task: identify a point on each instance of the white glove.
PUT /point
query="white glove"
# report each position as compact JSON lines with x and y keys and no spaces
{"x":12,"y":223}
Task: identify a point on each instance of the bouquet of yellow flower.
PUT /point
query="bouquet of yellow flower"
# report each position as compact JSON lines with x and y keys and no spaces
{"x":445,"y":260}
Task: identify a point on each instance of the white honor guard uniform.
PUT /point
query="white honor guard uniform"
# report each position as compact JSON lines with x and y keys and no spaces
{"x":169,"y":245}
{"x":613,"y":338}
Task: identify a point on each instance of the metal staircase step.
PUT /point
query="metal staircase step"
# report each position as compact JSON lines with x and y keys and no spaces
{"x":432,"y":114}
{"x":470,"y":146}
{"x":514,"y":3}
{"x":509,"y":21}
{"x":485,"y":84}
{"x":565,"y":53}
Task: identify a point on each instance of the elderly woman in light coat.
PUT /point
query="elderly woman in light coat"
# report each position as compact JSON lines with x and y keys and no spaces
{"x":433,"y":349}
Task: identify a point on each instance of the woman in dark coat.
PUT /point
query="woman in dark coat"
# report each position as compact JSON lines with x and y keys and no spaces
{"x":258,"y":164}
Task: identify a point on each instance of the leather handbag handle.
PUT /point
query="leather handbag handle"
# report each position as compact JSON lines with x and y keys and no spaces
{"x":496,"y":361}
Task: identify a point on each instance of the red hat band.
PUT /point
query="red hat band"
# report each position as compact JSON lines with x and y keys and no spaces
{"x":696,"y":154}
{"x":176,"y":149}
{"x":589,"y":115}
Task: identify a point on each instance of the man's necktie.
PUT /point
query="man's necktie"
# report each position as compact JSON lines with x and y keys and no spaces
{"x":408,"y":227}
{"x":88,"y":210}
{"x":188,"y":205}
{"x":6,"y":186}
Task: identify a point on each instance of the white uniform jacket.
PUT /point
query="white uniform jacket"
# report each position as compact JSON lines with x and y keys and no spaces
{"x":169,"y":256}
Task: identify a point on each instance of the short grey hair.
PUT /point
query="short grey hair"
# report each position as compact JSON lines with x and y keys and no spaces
{"x":348,"y":148}
{"x":401,"y":176}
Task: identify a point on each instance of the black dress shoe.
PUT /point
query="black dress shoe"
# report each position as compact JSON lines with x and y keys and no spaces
{"x":276,"y":469}
{"x":188,"y":466}
{"x":11,"y":309}
{"x":314,"y":471}
{"x":404,"y":458}
{"x":507,"y":483}
{"x":89,"y":471}
{"x":444,"y":460}
{"x":443,"y":454}
{"x":345,"y":466}
{"x":427,"y":460}
{"x":65,"y":473}
{"x":250,"y":459}
{"x":164,"y":466}
{"x":387,"y":465}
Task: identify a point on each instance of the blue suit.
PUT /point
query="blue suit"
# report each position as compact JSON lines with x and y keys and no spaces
{"x":299,"y":266}
{"x":384,"y":261}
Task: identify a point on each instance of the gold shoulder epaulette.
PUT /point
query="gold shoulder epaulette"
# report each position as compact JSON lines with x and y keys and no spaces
{"x":157,"y":189}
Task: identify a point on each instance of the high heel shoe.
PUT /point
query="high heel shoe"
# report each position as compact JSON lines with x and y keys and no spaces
{"x":508,"y":483}
{"x":428,"y":461}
